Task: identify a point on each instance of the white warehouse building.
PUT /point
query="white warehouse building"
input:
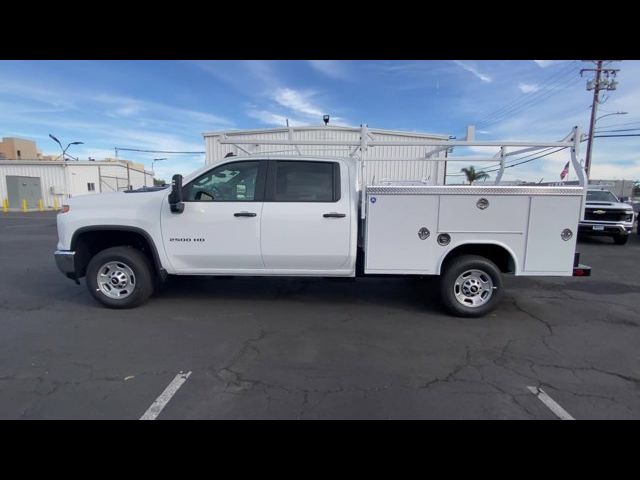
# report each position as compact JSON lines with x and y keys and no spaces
{"x":408,"y":166}
{"x":52,"y":182}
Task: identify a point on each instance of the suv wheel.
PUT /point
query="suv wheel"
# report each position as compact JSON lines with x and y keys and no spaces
{"x":120,"y":277}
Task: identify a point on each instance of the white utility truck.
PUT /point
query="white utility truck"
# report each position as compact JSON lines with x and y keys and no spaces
{"x":270,"y":215}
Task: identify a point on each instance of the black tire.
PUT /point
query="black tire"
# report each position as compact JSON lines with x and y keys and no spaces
{"x":457,"y":267}
{"x":620,"y":239}
{"x":137,"y":262}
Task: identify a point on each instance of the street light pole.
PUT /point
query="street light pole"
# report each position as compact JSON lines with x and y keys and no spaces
{"x":64,"y":150}
{"x":613,"y":113}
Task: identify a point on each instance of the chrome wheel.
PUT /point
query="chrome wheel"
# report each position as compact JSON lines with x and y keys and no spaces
{"x":473,"y":288}
{"x":116,"y":280}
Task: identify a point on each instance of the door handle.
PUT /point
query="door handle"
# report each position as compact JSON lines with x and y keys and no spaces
{"x":334,"y":215}
{"x":244,"y":214}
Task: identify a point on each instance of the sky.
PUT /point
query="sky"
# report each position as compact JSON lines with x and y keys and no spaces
{"x":167,"y":105}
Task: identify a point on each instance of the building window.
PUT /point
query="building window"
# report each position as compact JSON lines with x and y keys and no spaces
{"x":19,"y":154}
{"x":91,"y":186}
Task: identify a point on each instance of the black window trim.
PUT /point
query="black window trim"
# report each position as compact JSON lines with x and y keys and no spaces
{"x":260,"y":182}
{"x":270,"y":193}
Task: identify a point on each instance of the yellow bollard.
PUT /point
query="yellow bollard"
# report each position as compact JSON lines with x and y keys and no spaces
{"x":55,"y":203}
{"x":24,"y":205}
{"x":40,"y":207}
{"x":5,"y":205}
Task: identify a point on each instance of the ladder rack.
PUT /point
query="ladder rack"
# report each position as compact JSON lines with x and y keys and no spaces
{"x":367,"y":140}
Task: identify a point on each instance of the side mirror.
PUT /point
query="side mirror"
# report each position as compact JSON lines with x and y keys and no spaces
{"x":175,"y":197}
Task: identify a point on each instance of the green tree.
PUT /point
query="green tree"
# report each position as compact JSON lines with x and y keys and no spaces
{"x":158,"y":182}
{"x":472,"y":175}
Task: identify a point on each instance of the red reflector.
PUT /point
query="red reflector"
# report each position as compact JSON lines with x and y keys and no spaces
{"x":578,"y":272}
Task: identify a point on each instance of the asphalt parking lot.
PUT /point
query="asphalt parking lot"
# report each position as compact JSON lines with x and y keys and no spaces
{"x":375,"y":348}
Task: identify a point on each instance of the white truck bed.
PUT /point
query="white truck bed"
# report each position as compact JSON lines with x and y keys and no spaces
{"x":528,"y":222}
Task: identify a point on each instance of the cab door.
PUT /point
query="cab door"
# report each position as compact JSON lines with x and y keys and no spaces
{"x":219,"y":229}
{"x":306,"y":217}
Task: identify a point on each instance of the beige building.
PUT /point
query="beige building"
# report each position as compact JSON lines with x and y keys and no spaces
{"x":12,"y":148}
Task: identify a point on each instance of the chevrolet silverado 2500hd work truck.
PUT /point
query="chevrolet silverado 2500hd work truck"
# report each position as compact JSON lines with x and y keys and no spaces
{"x":605,"y":215}
{"x":309,"y":216}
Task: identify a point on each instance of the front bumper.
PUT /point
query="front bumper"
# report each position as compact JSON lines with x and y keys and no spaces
{"x":65,"y":260}
{"x":605,"y":228}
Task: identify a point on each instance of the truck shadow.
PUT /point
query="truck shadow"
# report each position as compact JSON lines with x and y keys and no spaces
{"x":411,"y":294}
{"x":603,"y":240}
{"x":595,"y":240}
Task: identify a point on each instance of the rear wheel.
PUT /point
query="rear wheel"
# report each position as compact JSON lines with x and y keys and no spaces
{"x":620,"y":239}
{"x":471,"y":286}
{"x":120,"y":277}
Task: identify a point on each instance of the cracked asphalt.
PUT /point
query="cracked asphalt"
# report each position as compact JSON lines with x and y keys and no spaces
{"x":375,"y":348}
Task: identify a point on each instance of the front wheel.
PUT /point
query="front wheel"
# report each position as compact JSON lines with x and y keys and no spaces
{"x":620,"y":239}
{"x":120,"y":277}
{"x":471,"y":286}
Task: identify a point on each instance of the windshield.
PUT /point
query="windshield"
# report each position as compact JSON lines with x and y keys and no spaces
{"x":601,"y":196}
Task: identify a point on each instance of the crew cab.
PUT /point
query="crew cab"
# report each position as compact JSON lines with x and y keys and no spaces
{"x":314,"y":216}
{"x":605,"y":215}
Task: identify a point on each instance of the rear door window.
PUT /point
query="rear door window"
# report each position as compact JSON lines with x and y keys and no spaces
{"x":298,"y":181}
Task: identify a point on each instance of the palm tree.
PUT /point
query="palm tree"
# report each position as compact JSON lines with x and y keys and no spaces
{"x":472,"y":175}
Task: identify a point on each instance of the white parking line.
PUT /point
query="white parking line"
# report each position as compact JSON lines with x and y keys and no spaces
{"x":156,"y":407}
{"x":551,"y":403}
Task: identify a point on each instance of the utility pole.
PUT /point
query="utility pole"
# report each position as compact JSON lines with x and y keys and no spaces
{"x":598,"y":84}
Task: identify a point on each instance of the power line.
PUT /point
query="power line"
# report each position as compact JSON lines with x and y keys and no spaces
{"x":510,"y":163}
{"x":118,"y":149}
{"x":625,"y":135}
{"x":621,"y":124}
{"x":550,"y":86}
{"x":523,"y":96}
{"x":533,"y":101}
{"x":620,"y":130}
{"x":530,"y":160}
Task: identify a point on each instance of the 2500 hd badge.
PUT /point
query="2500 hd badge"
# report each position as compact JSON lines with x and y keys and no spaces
{"x":186,"y":239}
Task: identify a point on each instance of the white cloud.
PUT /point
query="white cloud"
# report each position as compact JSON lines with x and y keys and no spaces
{"x":332,"y":68}
{"x":62,"y":100}
{"x":528,"y":87}
{"x":244,"y":76}
{"x":165,"y":170}
{"x":298,"y":102}
{"x":26,"y":89}
{"x":129,"y":107}
{"x":547,"y":63}
{"x":275,"y":119}
{"x":471,"y":68}
{"x":616,"y":171}
{"x":303,"y":111}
